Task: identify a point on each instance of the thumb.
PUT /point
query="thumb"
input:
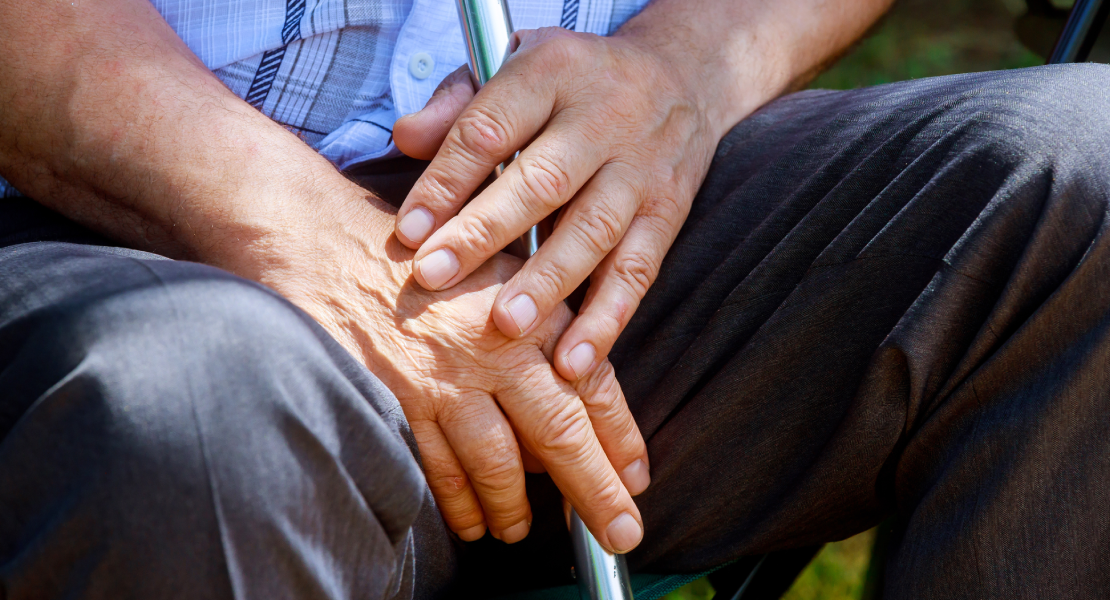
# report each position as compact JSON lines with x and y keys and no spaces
{"x":421,"y":133}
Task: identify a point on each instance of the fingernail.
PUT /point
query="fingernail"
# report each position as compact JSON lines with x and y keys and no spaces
{"x":522,"y":310}
{"x":417,"y":225}
{"x":514,"y":534}
{"x":624,"y":533}
{"x":472,"y":533}
{"x":438,"y":267}
{"x":636,"y":477}
{"x":581,"y":358}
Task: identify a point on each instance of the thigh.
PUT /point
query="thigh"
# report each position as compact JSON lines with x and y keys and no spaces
{"x":169,"y":430}
{"x":851,"y":261}
{"x":834,"y":336}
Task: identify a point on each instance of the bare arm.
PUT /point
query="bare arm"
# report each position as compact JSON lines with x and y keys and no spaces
{"x":744,"y":53}
{"x":111,"y":120}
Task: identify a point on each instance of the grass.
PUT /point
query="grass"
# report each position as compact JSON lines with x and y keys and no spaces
{"x":697,"y":590}
{"x":836,"y":573}
{"x":926,"y":38}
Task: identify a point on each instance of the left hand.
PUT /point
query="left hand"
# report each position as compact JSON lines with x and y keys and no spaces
{"x":611,"y":129}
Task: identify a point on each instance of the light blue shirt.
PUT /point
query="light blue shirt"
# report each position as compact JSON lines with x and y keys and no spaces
{"x":339,"y":73}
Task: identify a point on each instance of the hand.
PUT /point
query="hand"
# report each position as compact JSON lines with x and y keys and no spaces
{"x":470,"y":394}
{"x":149,"y":148}
{"x":610,"y":133}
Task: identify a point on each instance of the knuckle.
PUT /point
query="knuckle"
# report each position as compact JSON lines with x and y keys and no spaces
{"x":543,"y":179}
{"x":465,"y":519}
{"x":449,"y":487}
{"x":462,"y":517}
{"x":484,"y":133}
{"x":664,"y":210}
{"x":594,"y":124}
{"x":604,"y":325}
{"x":636,"y":271}
{"x":606,"y":497}
{"x":564,"y":434}
{"x":611,"y":323}
{"x":600,"y":391}
{"x":599,"y":227}
{"x":436,"y":187}
{"x":630,"y":439}
{"x":621,"y":431}
{"x":609,"y":414}
{"x":546,"y":336}
{"x":478,"y":235}
{"x":498,"y":472}
{"x":565,"y":48}
{"x":462,"y":413}
{"x":623,"y":117}
{"x":439,"y":190}
{"x":550,"y":279}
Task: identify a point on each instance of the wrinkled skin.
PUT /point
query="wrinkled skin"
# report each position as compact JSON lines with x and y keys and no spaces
{"x":612,"y":132}
{"x":481,"y":405}
{"x":101,"y":106}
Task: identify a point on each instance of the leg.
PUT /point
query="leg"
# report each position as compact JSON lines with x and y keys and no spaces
{"x":838,"y":282}
{"x":170,"y":431}
{"x":891,"y":299}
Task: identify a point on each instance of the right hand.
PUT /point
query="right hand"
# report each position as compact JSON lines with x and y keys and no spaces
{"x":481,"y":405}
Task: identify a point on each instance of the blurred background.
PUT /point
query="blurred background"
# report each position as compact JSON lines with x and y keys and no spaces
{"x":922,"y":38}
{"x":926,"y":38}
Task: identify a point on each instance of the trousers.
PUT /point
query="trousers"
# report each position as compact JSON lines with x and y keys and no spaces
{"x":886,"y":302}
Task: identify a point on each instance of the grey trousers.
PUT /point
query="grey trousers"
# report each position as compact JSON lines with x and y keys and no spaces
{"x":888,"y":301}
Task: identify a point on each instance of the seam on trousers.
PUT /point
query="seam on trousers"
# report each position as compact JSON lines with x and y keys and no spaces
{"x":212,"y":487}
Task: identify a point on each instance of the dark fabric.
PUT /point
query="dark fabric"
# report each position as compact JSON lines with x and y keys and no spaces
{"x":24,"y":220}
{"x":172,"y":431}
{"x":892,"y":300}
{"x":390,"y":179}
{"x":885,"y":301}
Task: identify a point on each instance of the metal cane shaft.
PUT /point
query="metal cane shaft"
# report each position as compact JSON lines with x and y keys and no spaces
{"x":600,"y":575}
{"x":487,"y":27}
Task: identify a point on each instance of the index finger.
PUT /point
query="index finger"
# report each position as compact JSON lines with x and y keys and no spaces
{"x":503,"y":116}
{"x":543,"y":177}
{"x":556,"y":429}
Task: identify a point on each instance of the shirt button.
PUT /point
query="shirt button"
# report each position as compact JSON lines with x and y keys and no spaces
{"x":421,"y":65}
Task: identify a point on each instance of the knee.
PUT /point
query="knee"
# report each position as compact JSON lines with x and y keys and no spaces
{"x":1058,"y":114}
{"x":174,"y":326}
{"x":1078,"y":89}
{"x":196,"y":418}
{"x":189,"y":377}
{"x":1029,"y":138}
{"x":153,"y":373}
{"x":181,"y":321}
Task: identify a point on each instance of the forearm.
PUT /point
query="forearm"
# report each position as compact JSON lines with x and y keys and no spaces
{"x":744,"y":53}
{"x":111,"y":120}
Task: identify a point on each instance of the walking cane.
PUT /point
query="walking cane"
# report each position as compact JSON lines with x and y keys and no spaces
{"x":486,"y":25}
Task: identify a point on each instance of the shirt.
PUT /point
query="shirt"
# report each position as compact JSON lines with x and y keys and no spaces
{"x":339,"y":73}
